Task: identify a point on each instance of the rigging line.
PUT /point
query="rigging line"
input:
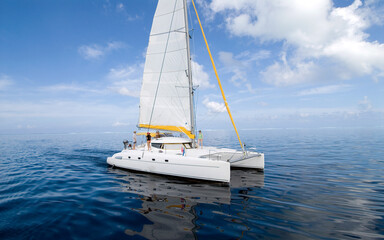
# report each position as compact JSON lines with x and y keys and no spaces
{"x":217,"y":76}
{"x":176,"y":50}
{"x":174,"y":10}
{"x":162,"y":33}
{"x":162,"y":65}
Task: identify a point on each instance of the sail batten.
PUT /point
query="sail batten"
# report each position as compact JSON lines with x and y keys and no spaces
{"x":165,"y":93}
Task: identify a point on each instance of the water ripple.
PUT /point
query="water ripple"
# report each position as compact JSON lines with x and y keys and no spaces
{"x":317,"y":184}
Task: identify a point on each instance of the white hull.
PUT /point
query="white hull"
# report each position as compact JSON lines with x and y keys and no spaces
{"x":173,"y":165}
{"x":210,"y":163}
{"x":254,"y":160}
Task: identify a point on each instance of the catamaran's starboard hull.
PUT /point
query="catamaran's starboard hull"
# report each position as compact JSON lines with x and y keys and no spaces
{"x":255,"y":161}
{"x":173,"y":165}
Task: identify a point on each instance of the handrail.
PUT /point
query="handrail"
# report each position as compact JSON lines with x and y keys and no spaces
{"x":217,"y":76}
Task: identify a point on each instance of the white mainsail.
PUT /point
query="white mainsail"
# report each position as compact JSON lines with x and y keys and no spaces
{"x":165,"y":93}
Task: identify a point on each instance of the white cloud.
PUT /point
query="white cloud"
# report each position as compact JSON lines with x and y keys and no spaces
{"x":57,"y":116}
{"x":358,"y":56}
{"x":5,"y":81}
{"x":324,"y":90}
{"x":239,"y":65}
{"x":316,"y":33}
{"x":120,"y":7}
{"x":120,"y":88}
{"x":91,"y":52}
{"x":126,"y":80}
{"x":70,"y":88}
{"x":213,"y":106}
{"x":200,"y":77}
{"x":122,"y":72}
{"x":95,"y":51}
{"x":114,"y":46}
{"x":120,"y":124}
{"x":235,"y":66}
{"x":284,"y":73}
{"x":296,"y":117}
{"x":122,"y":80}
{"x":56,"y":109}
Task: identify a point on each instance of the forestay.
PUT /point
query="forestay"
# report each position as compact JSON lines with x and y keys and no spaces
{"x":165,"y":93}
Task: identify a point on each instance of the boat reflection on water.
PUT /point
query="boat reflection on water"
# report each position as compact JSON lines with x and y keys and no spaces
{"x":169,"y":203}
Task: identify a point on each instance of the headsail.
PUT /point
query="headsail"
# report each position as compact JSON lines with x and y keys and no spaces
{"x":165,"y":92}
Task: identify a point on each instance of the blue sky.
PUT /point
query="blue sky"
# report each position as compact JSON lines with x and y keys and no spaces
{"x":76,"y":66}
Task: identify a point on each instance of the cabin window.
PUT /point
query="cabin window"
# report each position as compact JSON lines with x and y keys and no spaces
{"x":175,"y":146}
{"x":157,"y":145}
{"x":187,"y":145}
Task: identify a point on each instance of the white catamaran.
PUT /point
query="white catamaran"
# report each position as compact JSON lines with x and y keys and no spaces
{"x":166,"y":104}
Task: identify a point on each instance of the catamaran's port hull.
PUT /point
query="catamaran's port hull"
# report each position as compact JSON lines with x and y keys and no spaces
{"x":255,"y":161}
{"x":173,"y":165}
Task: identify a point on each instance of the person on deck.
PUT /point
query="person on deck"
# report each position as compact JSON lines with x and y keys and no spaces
{"x":134,"y":139}
{"x":149,"y":141}
{"x":200,"y":139}
{"x":157,"y":135}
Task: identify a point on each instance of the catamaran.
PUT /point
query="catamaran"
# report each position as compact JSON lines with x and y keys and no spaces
{"x":166,"y":104}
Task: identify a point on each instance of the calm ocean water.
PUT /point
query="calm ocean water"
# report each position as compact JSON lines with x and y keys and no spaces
{"x":318,"y":184}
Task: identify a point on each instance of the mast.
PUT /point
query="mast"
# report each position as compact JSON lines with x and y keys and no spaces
{"x":189,"y":72}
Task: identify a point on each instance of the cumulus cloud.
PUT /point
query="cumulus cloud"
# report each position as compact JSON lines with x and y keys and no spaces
{"x":96,"y":51}
{"x":238,"y":66}
{"x":126,"y":80}
{"x":284,"y":74}
{"x":315,"y":31}
{"x":214,"y":107}
{"x":200,"y":77}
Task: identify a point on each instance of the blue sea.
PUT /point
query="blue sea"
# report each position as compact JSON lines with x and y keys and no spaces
{"x":317,"y":184}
